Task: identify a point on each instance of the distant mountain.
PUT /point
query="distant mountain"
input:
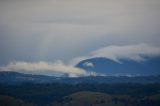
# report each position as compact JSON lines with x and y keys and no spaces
{"x":16,"y":78}
{"x":124,"y":67}
{"x":112,"y":79}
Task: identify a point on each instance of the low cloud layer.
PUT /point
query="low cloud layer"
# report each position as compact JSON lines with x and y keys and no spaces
{"x":139,"y":52}
{"x":38,"y":67}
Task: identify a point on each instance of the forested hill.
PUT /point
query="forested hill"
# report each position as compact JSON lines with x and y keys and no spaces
{"x":16,"y":78}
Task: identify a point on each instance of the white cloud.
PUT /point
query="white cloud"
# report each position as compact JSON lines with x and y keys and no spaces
{"x":139,"y":52}
{"x":133,"y":52}
{"x":88,"y":64}
{"x":37,"y":67}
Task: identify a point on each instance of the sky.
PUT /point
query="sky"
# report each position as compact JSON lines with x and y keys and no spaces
{"x":41,"y":34}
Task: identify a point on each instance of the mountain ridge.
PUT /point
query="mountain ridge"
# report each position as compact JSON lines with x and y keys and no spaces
{"x":17,"y":78}
{"x":124,"y":67}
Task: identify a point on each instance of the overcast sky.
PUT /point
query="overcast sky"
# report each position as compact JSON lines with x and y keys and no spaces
{"x":51,"y":30}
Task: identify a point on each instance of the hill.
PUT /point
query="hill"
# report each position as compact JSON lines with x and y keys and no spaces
{"x":102,"y":99}
{"x":11,"y":101}
{"x":17,"y":78}
{"x":61,"y":94}
{"x":122,"y":68}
